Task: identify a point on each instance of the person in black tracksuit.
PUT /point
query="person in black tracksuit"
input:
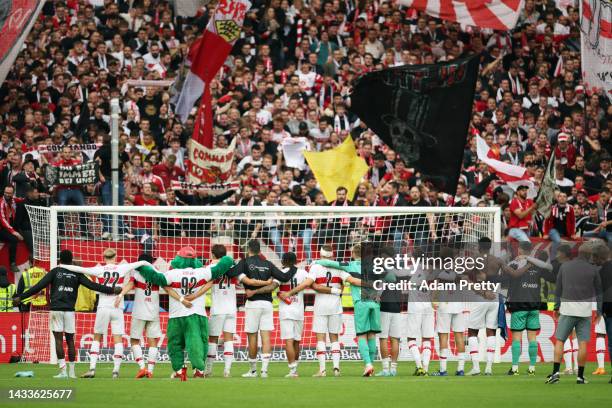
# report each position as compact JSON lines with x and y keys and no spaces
{"x":254,"y":272}
{"x":64,"y":291}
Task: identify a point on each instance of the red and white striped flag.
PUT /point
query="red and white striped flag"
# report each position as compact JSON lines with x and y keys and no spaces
{"x":208,"y":53}
{"x":495,"y":14}
{"x":513,"y":175}
{"x":596,"y":46}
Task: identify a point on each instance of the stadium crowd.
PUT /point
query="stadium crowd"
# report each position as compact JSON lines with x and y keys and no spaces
{"x":289,"y":75}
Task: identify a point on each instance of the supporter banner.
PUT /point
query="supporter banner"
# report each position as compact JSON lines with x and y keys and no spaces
{"x":338,"y":167}
{"x":496,"y":14}
{"x":211,"y":189}
{"x":546,"y":195}
{"x":78,"y":175}
{"x":293,"y":151}
{"x":39,"y":349}
{"x":16,"y":20}
{"x":208,"y":53}
{"x":210,"y":166}
{"x":423,"y":113}
{"x":84,"y":147}
{"x":596,"y":46}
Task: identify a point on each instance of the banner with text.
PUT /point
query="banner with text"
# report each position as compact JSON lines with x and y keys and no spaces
{"x":79,"y":175}
{"x":210,"y":166}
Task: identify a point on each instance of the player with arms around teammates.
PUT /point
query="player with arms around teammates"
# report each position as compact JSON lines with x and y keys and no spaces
{"x":110,"y":274}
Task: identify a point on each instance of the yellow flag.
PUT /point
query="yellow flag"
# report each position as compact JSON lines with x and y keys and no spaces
{"x":338,"y":167}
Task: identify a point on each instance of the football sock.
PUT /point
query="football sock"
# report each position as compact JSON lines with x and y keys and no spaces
{"x":575,"y":351}
{"x":152,"y":358}
{"x":93,"y":354}
{"x":335,"y":349}
{"x":516,"y":352}
{"x":265,"y":361}
{"x":394,"y":366}
{"x":581,"y":372}
{"x":364,"y":350}
{"x":414,"y":349}
{"x":211,"y":355}
{"x":373,"y":349}
{"x":600,"y":351}
{"x":71,"y":368}
{"x":62,"y":365}
{"x":137,"y":351}
{"x":490,"y":352}
{"x":426,"y":354}
{"x":117,"y":356}
{"x":474,"y":352}
{"x":556,"y":367}
{"x":533,"y":353}
{"x":461,"y":361}
{"x":567,"y":354}
{"x":321,"y":355}
{"x":385,"y":363}
{"x":228,"y":354}
{"x":253,"y":364}
{"x":443,"y":358}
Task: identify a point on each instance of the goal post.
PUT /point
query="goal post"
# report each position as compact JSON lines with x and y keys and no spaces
{"x":163,"y":230}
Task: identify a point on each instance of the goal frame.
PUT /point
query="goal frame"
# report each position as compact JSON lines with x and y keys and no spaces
{"x":137,"y":210}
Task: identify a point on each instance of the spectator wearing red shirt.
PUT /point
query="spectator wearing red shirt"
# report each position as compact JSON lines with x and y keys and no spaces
{"x":521,"y":210}
{"x":8,"y":234}
{"x":145,"y":228}
{"x":565,"y":152}
{"x":168,"y":171}
{"x":400,"y":173}
{"x":147,"y":176}
{"x":560,"y":223}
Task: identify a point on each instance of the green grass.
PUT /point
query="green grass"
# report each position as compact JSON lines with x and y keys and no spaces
{"x":350,"y":390}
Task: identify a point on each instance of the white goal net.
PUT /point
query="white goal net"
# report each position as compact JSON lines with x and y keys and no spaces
{"x":163,"y":231}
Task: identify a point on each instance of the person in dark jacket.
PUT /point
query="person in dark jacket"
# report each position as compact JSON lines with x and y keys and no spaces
{"x":64,"y":291}
{"x":605,"y":273}
{"x":201,"y":197}
{"x":22,"y":218}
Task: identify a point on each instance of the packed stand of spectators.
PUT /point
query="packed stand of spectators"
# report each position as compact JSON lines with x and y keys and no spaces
{"x":289,"y":75}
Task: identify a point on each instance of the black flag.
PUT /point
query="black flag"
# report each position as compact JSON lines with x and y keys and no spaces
{"x":423,"y":113}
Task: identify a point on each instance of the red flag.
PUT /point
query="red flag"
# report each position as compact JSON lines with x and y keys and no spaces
{"x":208,"y":53}
{"x":496,"y":14}
{"x":203,"y":128}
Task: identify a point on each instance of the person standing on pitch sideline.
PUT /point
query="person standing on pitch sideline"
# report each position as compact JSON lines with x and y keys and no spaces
{"x":112,"y":275}
{"x":600,"y":346}
{"x":64,"y":290}
{"x":450,"y":318}
{"x":420,"y":321}
{"x":366,"y":309}
{"x":524,"y":301}
{"x":290,"y":309}
{"x":484,"y":308}
{"x":145,"y":318}
{"x":254,"y":272}
{"x":188,"y":323}
{"x":328,"y":284}
{"x":578,"y":286}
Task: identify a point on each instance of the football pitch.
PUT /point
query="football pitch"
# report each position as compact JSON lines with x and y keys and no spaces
{"x":350,"y":390}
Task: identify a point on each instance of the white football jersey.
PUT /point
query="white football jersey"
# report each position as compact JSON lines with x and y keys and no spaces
{"x":328,"y":304}
{"x":419,"y":301}
{"x":292,"y":307}
{"x":146,"y":299}
{"x":110,"y":275}
{"x":185,"y":282}
{"x":224,"y":296}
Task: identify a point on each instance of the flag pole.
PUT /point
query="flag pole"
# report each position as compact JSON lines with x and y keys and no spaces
{"x":115,"y":162}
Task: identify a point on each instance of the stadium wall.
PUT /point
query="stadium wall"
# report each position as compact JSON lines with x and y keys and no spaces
{"x":12,"y":325}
